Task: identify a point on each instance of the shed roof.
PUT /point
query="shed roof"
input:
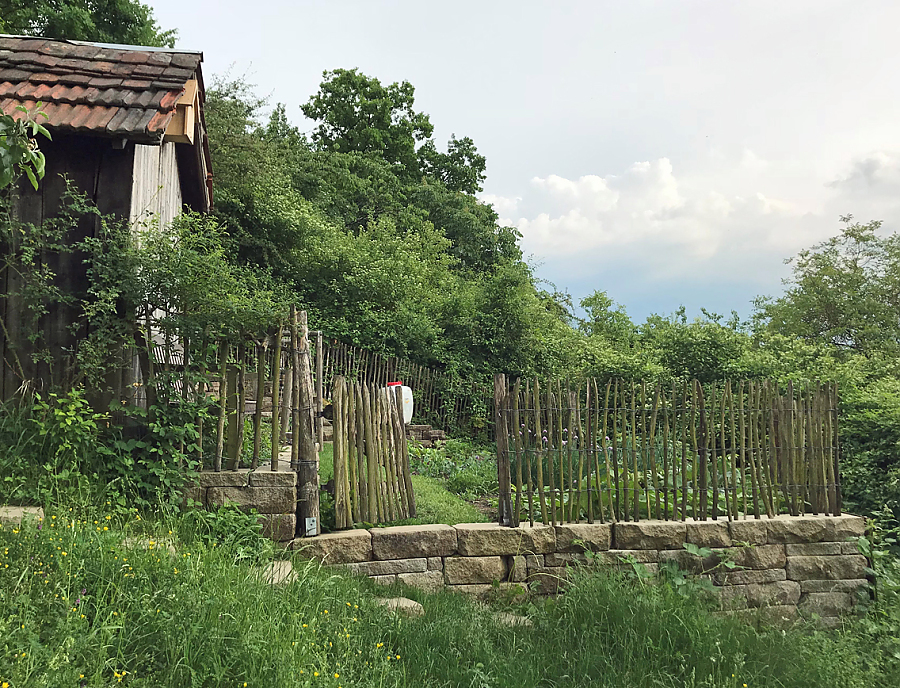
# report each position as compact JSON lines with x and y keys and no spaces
{"x":95,"y":89}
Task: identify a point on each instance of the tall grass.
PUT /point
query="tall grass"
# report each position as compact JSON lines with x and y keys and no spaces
{"x":87,"y":600}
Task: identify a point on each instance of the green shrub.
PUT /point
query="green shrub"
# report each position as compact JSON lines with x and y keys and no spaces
{"x":465,"y":468}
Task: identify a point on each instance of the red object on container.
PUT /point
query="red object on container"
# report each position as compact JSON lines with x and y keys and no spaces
{"x":394,"y":384}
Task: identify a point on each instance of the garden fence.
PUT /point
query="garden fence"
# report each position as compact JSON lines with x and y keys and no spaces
{"x":372,"y":482}
{"x":441,"y":399}
{"x":619,"y":451}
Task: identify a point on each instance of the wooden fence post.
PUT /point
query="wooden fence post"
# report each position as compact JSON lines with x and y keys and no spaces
{"x":276,"y":384}
{"x":308,"y":463}
{"x":502,"y":435}
{"x":320,"y":388}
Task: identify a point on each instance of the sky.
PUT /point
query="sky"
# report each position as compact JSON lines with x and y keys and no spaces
{"x":668,"y":153}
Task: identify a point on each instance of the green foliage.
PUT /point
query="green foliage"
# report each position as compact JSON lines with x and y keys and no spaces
{"x":92,"y":597}
{"x":383,"y":255}
{"x":466,"y":470}
{"x":356,"y":113}
{"x":103,"y":21}
{"x":19,"y":152}
{"x":843,"y":291}
{"x":227,"y":527}
{"x":434,"y":504}
{"x":58,"y":449}
{"x":460,"y":169}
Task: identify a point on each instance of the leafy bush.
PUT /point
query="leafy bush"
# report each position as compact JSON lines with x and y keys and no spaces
{"x":466,"y":469}
{"x":58,"y":449}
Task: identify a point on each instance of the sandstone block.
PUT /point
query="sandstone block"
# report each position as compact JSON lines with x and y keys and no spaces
{"x":578,"y":537}
{"x":277,"y":572}
{"x":14,"y":516}
{"x":748,"y":577}
{"x":435,"y":564}
{"x":757,"y":558}
{"x":265,"y":477}
{"x":780,"y":616}
{"x":708,"y":533}
{"x":428,"y":580}
{"x":279,"y":527}
{"x":565,"y":559}
{"x":402,"y":605}
{"x":266,"y":500}
{"x":534,"y":561}
{"x":851,"y":585}
{"x":825,"y":568}
{"x":779,"y":593}
{"x":845,"y":527}
{"x":518,"y":569}
{"x":620,"y":556}
{"x":388,"y":567}
{"x":488,"y":539}
{"x":507,"y":619}
{"x":686,"y":561}
{"x":384,"y":580}
{"x":405,"y":542}
{"x":479,"y":590}
{"x":223,"y":478}
{"x":850,"y":547}
{"x":469,"y":570}
{"x":815,"y":549}
{"x":342,"y":547}
{"x":798,"y":529}
{"x":548,"y":580}
{"x":826,"y":603}
{"x":751,"y":532}
{"x":649,"y":535}
{"x":733,"y":597}
{"x":193,"y":496}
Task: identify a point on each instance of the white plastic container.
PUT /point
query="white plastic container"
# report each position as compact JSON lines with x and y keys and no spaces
{"x":407,"y":400}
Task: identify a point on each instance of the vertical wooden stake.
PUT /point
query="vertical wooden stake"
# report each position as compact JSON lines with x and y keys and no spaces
{"x":320,"y":389}
{"x":223,"y":398}
{"x":276,"y":391}
{"x":260,"y":394}
{"x":502,"y":437}
{"x":308,"y":459}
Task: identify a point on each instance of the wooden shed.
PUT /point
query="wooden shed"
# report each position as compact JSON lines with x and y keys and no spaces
{"x":128,"y":131}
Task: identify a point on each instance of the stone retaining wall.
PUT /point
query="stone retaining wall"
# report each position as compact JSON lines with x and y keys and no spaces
{"x":272,"y":494}
{"x":785,"y":566}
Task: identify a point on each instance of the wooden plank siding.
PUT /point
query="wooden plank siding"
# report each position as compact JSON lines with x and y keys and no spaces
{"x":156,"y":187}
{"x":131,"y":182}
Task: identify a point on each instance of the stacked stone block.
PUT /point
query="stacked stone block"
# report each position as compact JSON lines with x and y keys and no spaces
{"x":272,"y":493}
{"x":784,"y":567}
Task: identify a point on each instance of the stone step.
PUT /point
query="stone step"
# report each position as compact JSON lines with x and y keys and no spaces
{"x":15,"y":515}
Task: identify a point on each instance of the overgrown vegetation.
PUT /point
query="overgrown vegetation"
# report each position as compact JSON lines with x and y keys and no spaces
{"x":92,"y":596}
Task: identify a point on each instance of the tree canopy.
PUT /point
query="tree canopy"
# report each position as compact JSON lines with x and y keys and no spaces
{"x":102,"y":21}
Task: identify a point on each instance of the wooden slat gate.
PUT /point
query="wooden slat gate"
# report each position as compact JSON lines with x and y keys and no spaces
{"x":372,"y":482}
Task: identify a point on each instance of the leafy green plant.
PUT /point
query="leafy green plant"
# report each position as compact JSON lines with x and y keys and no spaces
{"x":19,"y":153}
{"x":229,"y":527}
{"x":466,"y":469}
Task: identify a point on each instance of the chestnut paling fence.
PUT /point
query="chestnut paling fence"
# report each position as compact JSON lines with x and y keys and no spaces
{"x":372,"y":482}
{"x":618,"y":451}
{"x":442,"y":400}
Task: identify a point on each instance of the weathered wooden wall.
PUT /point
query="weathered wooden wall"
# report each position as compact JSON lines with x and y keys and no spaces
{"x":103,"y":173}
{"x":156,"y":188}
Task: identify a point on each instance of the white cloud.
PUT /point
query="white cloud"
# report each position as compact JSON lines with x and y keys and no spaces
{"x":502,"y":205}
{"x":877,"y":174}
{"x":646,"y":214}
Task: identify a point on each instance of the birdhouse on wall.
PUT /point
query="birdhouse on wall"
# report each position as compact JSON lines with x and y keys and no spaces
{"x":181,"y":127}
